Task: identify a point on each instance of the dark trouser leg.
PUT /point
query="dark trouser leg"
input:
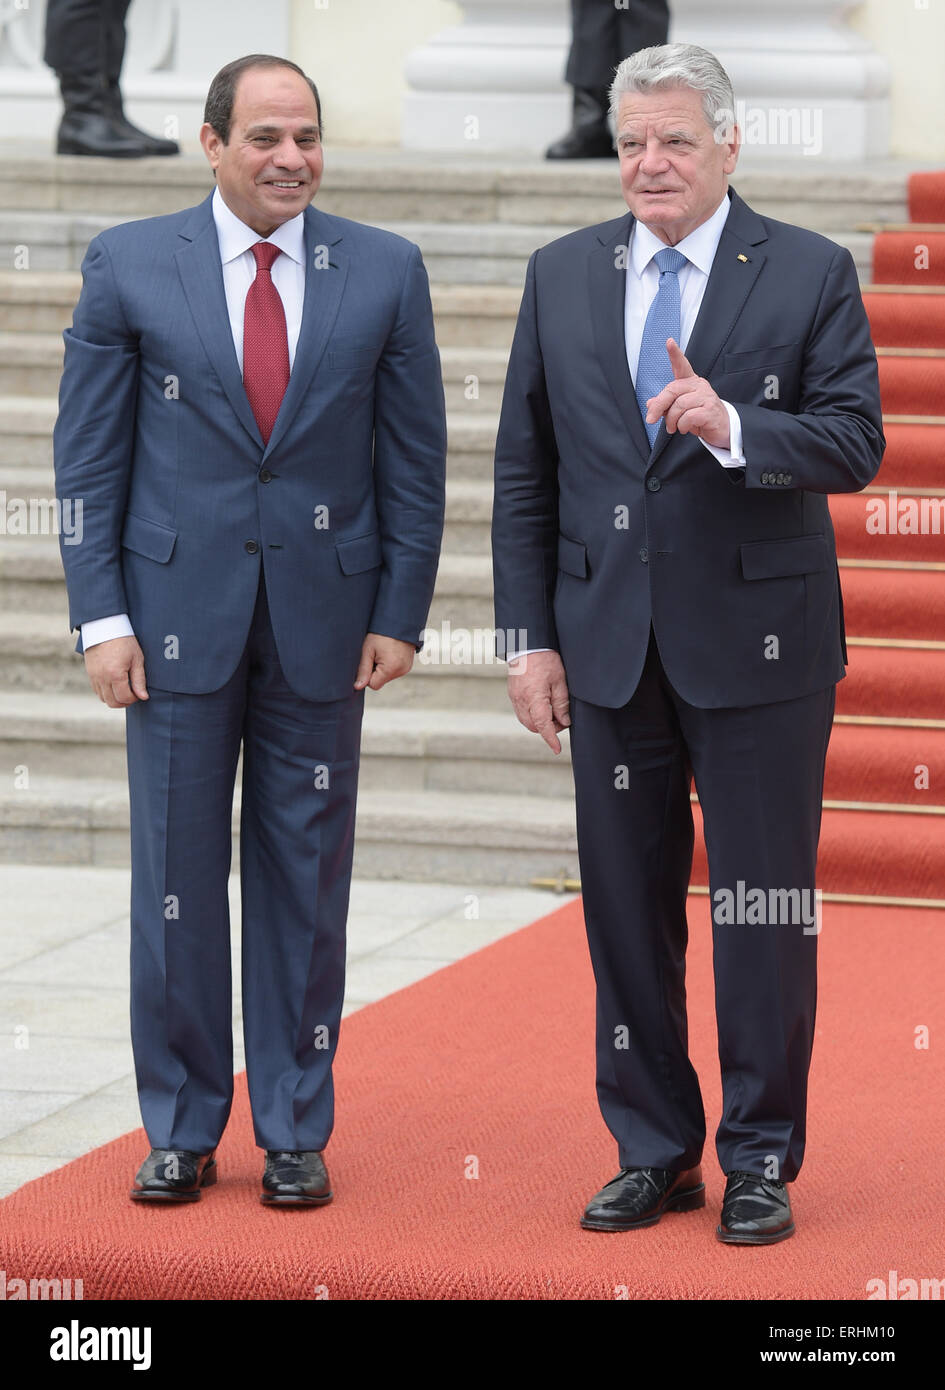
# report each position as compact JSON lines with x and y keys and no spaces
{"x":300,"y":772}
{"x":635,"y":838}
{"x":182,"y":757}
{"x":759,"y":774}
{"x":601,"y":37}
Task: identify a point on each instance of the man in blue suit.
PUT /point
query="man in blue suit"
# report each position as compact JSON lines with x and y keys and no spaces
{"x":252,"y":415}
{"x":686,"y":385}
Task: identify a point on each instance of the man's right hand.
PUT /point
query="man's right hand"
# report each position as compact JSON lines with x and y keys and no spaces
{"x":538,"y":689}
{"x":116,"y":671}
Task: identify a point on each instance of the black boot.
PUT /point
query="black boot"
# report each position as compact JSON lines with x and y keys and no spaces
{"x":87,"y":126}
{"x":155,"y":144}
{"x":589,"y":136}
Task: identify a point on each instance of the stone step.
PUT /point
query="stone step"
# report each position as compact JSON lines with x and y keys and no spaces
{"x":75,"y":735}
{"x":480,"y":253}
{"x":406,"y":186}
{"x":437,"y":836}
{"x":33,"y":301}
{"x":37,"y":654}
{"x":30,"y":363}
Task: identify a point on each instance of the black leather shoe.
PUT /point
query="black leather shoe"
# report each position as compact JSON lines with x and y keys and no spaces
{"x":174,"y":1175}
{"x":755,"y":1211}
{"x":639,"y":1196}
{"x":153,"y":144}
{"x":589,"y":136}
{"x":294,"y":1178}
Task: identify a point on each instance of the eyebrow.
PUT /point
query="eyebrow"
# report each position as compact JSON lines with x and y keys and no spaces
{"x":664,"y":135}
{"x":275,"y":130}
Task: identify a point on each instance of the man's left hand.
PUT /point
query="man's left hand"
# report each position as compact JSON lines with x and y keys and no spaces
{"x":383,"y":659}
{"x":689,"y":403}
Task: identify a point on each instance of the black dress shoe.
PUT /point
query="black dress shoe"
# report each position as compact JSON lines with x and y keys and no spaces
{"x":639,"y":1196}
{"x":174,"y":1175}
{"x":153,"y":144}
{"x":755,"y":1211}
{"x":295,"y":1178}
{"x":589,"y":136}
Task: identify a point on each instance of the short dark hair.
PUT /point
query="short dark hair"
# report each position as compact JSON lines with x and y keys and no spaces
{"x":218,"y":111}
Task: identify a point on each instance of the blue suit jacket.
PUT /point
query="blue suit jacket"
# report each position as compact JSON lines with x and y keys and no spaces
{"x":595,"y":535}
{"x":182,"y":501}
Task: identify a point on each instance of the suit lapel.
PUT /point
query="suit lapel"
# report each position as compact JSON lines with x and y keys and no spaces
{"x":730,"y":283}
{"x":201,"y":273}
{"x":326,"y":270}
{"x":607,"y":288}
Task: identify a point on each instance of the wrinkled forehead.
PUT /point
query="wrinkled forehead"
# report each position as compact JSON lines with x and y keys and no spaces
{"x":661,"y":111}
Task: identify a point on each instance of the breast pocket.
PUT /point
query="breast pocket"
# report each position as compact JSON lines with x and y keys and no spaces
{"x":353,"y":359}
{"x":761,"y":358}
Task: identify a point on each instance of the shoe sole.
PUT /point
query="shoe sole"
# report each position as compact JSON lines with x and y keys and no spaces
{"x":727,"y":1238}
{"x":270,"y":1199}
{"x":193,"y":1195}
{"x":692,"y":1199}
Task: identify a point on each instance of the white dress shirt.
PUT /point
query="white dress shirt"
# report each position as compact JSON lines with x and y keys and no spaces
{"x":642,"y":284}
{"x":239,"y":270}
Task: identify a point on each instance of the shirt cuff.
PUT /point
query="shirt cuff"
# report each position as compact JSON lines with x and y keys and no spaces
{"x":104,"y":629}
{"x":732,"y":457}
{"x":528,"y":651}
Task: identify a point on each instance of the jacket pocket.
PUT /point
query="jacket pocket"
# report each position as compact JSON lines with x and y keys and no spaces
{"x":351,"y":358}
{"x":775,"y":559}
{"x":148,"y":538}
{"x":360,"y":553}
{"x":760,"y":357}
{"x":572,"y":557}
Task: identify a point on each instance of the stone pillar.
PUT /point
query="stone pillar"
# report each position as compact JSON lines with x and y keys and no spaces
{"x":806,"y":85}
{"x":174,"y":48}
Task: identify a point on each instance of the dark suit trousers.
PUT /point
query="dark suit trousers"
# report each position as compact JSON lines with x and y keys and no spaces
{"x":300,"y":772}
{"x":85,"y":36}
{"x":759,"y":773}
{"x":602,"y":36}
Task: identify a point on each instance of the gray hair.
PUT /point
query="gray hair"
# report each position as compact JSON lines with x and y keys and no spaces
{"x":677,"y":65}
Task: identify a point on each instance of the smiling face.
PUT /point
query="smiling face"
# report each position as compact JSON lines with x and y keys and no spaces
{"x":270,"y":168}
{"x":673,"y":171}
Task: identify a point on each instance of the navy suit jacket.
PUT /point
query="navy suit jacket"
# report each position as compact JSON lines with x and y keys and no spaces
{"x":595,"y":535}
{"x":182,"y":501}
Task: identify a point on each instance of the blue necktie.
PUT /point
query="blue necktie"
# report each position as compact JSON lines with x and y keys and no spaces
{"x":662,"y":322}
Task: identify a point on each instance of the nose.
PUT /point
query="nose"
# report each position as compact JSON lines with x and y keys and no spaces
{"x":288,"y":155}
{"x":652,"y":161}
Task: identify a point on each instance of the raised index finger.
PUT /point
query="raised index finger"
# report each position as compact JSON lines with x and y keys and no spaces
{"x":678,"y":360}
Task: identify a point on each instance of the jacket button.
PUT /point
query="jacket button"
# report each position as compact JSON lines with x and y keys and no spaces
{"x":653,"y":484}
{"x":644,"y":555}
{"x":265,"y":476}
{"x":250,"y":547}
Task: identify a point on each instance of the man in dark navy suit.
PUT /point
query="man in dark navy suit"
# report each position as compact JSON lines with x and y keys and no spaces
{"x":686,"y":386}
{"x":252,"y":413}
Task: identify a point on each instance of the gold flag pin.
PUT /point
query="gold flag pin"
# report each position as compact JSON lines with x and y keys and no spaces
{"x":742,"y":256}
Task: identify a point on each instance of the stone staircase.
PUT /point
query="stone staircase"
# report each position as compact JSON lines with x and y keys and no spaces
{"x":452,"y":787}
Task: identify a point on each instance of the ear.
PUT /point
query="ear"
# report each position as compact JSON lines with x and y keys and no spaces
{"x":212,"y":144}
{"x":733,"y":147}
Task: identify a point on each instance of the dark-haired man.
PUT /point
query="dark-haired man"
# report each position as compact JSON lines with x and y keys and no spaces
{"x":252,"y":413}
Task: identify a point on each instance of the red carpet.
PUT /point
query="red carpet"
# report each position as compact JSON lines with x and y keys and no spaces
{"x":492,"y":1060}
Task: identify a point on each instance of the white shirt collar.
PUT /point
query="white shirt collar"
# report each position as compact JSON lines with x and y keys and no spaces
{"x":699,"y":246}
{"x":235,"y":237}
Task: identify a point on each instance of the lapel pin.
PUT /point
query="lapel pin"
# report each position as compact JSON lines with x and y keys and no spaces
{"x":742,"y":256}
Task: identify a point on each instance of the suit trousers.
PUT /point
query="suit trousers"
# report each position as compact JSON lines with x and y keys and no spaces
{"x":299,"y":790}
{"x":86,"y":36}
{"x":602,"y":35}
{"x":759,"y":773}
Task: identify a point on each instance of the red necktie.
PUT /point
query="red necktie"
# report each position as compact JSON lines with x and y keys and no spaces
{"x":265,"y":342}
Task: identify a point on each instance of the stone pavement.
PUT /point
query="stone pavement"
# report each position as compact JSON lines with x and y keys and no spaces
{"x":67,"y":1075}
